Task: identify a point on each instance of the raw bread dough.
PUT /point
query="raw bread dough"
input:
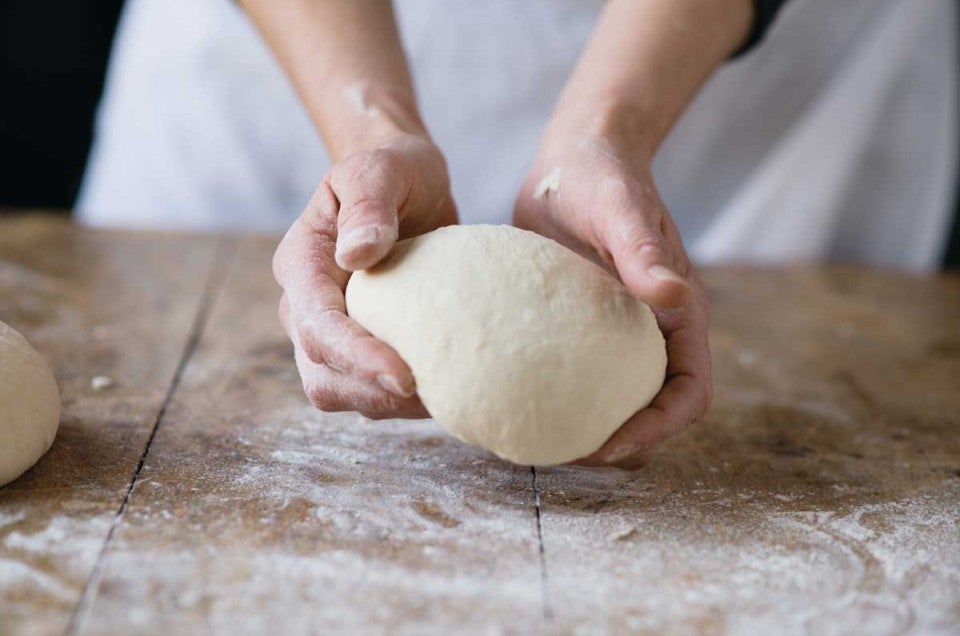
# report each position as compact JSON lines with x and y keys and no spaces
{"x":29,"y":405}
{"x":517,"y":344}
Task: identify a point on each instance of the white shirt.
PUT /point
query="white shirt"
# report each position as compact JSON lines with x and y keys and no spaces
{"x":836,"y":138}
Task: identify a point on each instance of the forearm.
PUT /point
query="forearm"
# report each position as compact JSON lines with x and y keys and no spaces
{"x":644,"y":63}
{"x":345,"y":59}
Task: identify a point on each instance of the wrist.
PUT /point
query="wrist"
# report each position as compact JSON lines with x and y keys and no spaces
{"x":362,"y":117}
{"x":622,"y":125}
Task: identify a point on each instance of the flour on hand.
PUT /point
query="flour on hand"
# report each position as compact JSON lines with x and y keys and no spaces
{"x":547,"y":185}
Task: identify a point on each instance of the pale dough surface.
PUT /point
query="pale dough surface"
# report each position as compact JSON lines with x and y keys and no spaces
{"x":518,"y":345}
{"x":29,"y":405}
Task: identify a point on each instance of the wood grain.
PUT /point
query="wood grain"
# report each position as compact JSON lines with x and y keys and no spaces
{"x":821,"y":494}
{"x":255,"y":513}
{"x":119,"y":305}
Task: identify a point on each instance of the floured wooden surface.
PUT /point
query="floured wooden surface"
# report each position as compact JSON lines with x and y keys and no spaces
{"x":93,"y":303}
{"x":256,"y":513}
{"x":820,"y":495}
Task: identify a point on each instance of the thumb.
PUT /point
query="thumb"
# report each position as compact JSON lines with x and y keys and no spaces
{"x":644,"y":260}
{"x":368,"y":219}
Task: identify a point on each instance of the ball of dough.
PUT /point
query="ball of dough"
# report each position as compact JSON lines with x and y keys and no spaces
{"x":29,"y":405}
{"x":518,"y":345}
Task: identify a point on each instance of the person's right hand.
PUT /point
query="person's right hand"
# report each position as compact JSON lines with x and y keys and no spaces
{"x":397,"y":188}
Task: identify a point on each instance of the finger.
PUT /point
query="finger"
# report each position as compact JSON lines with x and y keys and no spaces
{"x":308,"y":246}
{"x":676,"y":407}
{"x":636,"y":461}
{"x":314,"y":309}
{"x":332,"y":338}
{"x":633,"y":235}
{"x":371,"y":187}
{"x":335,"y":339}
{"x":685,"y":396}
{"x":283,"y":313}
{"x":331,"y":391}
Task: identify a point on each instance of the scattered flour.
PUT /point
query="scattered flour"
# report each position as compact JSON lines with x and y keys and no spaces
{"x":761,"y":563}
{"x":356,"y":95}
{"x":548,"y":185}
{"x":101,"y":382}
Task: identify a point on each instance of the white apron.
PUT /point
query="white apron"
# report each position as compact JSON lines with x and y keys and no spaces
{"x":835,"y":139}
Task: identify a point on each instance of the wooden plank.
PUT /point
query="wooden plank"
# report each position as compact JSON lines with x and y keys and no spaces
{"x":94,"y":303}
{"x":255,"y":513}
{"x":820,"y":495}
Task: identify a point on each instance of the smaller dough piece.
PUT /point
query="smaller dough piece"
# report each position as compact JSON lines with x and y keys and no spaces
{"x":29,"y":405}
{"x":517,"y":344}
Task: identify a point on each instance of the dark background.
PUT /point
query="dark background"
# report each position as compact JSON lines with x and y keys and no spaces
{"x":54,"y":56}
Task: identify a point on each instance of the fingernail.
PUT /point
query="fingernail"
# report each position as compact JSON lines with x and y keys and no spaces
{"x":364,"y":235}
{"x":665,"y":274}
{"x":616,"y":455}
{"x":391,"y":384}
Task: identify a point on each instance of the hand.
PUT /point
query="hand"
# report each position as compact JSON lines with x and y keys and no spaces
{"x":606,"y":208}
{"x":396,"y":188}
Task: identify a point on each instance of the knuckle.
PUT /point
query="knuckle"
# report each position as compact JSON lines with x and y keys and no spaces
{"x":330,"y":322}
{"x":641,"y":238}
{"x":383,"y":408}
{"x":637,"y":225}
{"x":324,"y":399}
{"x":313,"y":349}
{"x":367,"y":204}
{"x":319,"y":216}
{"x":280,"y":258}
{"x":314,"y":335}
{"x":288,"y":258}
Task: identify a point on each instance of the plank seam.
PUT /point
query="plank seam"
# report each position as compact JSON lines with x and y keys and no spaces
{"x":547,"y":610}
{"x":215,"y":276}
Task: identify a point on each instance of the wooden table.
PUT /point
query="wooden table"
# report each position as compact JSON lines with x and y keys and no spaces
{"x":201,"y":493}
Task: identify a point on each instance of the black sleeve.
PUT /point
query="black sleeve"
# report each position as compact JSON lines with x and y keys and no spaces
{"x":764,"y":11}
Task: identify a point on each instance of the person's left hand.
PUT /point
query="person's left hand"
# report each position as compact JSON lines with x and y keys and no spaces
{"x":603,"y":204}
